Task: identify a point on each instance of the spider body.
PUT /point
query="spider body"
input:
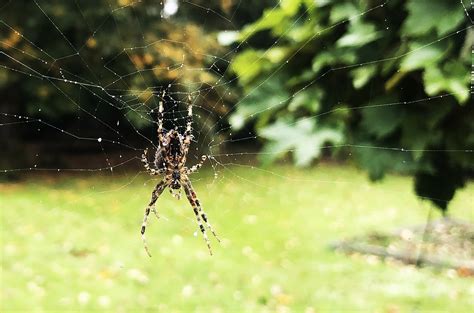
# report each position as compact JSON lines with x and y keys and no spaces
{"x":170,"y":163}
{"x":170,"y":159}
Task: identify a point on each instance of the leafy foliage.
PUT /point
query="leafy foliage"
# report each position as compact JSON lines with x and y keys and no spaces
{"x":302,"y":137}
{"x":392,"y":82}
{"x":99,"y":63}
{"x":101,"y":43}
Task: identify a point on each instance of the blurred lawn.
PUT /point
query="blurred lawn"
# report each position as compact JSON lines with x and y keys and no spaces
{"x":73,"y":243}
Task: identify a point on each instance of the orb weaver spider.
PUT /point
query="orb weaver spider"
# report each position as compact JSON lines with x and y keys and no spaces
{"x":170,"y":163}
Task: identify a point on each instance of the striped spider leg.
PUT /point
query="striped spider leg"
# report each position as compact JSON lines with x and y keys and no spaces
{"x":151,"y":207}
{"x":153,"y":172}
{"x":199,"y":212}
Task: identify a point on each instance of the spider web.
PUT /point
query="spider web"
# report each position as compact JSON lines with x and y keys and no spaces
{"x":134,"y":97}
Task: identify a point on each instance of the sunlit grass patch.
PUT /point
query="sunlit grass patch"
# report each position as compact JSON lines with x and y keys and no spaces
{"x":74,"y":243}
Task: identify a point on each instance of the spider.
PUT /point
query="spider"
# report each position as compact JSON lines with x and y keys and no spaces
{"x":170,"y":160}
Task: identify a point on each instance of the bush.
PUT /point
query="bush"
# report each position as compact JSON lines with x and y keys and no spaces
{"x":389,"y":80}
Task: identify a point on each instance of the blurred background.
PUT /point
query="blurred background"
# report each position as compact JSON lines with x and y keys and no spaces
{"x":324,"y":120}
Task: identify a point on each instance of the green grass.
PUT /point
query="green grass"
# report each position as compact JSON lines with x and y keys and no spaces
{"x":73,"y":243}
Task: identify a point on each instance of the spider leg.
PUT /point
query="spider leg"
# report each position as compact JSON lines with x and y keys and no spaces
{"x":199,"y":212}
{"x":159,"y":154}
{"x":194,"y":168}
{"x":151,"y":207}
{"x":188,"y":135}
{"x":145,"y":162}
{"x":192,"y":201}
{"x":160,"y":120}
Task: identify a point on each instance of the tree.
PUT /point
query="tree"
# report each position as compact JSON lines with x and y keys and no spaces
{"x":390,"y":79}
{"x":83,"y":65}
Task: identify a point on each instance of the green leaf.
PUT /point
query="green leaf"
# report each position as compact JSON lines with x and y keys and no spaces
{"x":466,"y":54}
{"x":453,"y":78}
{"x":303,"y":32}
{"x":333,"y":57}
{"x":424,"y":15}
{"x":423,"y":55}
{"x":305,"y":76}
{"x":319,"y":3}
{"x":308,"y":99}
{"x":342,"y":11}
{"x":361,"y":75}
{"x":302,"y":137}
{"x":248,"y":65}
{"x":359,"y":34}
{"x":275,"y":20}
{"x":277,"y":54}
{"x":290,"y":7}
